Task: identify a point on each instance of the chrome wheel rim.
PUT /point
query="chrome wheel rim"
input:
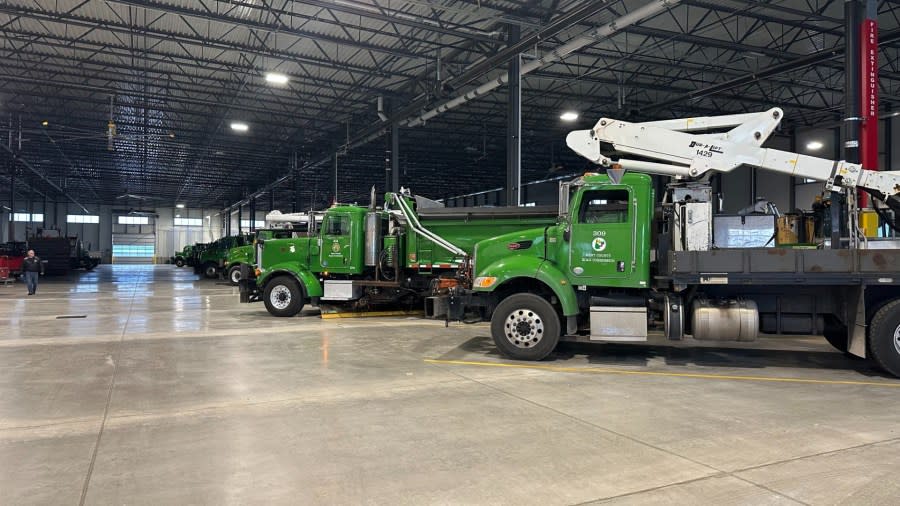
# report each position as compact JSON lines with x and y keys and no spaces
{"x":210,"y":272}
{"x":897,"y":339}
{"x":236,"y":276}
{"x":280,"y":297}
{"x":523,"y":328}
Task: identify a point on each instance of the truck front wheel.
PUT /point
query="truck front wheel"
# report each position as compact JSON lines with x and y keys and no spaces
{"x":210,"y":270}
{"x":179,"y":262}
{"x":525,"y":327}
{"x":884,"y":337}
{"x":283,"y":296}
{"x":234,"y":275}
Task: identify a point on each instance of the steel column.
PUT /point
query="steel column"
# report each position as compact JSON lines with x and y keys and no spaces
{"x":514,"y":125}
{"x":852,"y":110}
{"x":12,"y":198}
{"x":868,"y":82}
{"x":252,"y":212}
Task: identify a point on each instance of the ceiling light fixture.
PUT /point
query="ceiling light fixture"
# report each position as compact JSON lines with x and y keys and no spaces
{"x":237,"y":126}
{"x":276,"y":78}
{"x":179,"y":206}
{"x":568,"y":116}
{"x":814,"y":145}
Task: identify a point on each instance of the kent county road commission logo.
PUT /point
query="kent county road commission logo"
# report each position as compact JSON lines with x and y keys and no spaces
{"x":598,"y":244}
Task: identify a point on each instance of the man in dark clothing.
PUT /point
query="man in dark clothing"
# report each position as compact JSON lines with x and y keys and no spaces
{"x":32,"y":267}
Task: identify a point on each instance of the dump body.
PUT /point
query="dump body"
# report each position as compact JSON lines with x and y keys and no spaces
{"x":465,"y":227}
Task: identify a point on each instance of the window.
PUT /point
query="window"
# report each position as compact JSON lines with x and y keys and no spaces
{"x":35,"y":217}
{"x":604,"y":206}
{"x":337,"y":225}
{"x":132,"y":250}
{"x":134,"y":220}
{"x":82,"y":218}
{"x":256,"y":224}
{"x":188,"y":222}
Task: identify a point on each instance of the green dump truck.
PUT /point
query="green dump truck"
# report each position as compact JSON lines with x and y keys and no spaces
{"x":366,"y":256}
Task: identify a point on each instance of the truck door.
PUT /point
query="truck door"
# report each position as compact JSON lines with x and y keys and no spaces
{"x":602,"y":237}
{"x":335,"y":252}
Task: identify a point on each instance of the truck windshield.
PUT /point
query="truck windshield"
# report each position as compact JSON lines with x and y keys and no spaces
{"x":604,"y":206}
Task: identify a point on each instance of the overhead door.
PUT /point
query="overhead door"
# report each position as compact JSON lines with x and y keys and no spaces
{"x":133,"y":248}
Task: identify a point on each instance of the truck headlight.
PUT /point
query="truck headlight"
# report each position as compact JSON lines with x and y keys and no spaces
{"x":484,"y":281}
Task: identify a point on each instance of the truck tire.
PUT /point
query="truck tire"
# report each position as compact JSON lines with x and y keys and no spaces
{"x":179,"y":262}
{"x":525,"y":327}
{"x":234,"y":275}
{"x":283,"y":296}
{"x":884,"y":337}
{"x":210,"y":270}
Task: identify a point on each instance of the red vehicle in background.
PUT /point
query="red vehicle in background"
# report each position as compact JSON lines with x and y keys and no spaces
{"x":11,"y":256}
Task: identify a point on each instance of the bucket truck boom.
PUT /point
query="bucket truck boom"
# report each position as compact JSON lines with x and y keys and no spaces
{"x":677,"y":150}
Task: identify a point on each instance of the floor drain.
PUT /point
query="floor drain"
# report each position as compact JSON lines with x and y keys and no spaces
{"x":64,"y":316}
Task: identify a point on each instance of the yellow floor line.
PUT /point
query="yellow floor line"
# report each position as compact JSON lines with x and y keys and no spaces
{"x":370,"y":314}
{"x":597,"y":370}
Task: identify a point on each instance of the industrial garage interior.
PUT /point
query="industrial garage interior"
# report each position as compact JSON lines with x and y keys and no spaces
{"x":553,"y":252}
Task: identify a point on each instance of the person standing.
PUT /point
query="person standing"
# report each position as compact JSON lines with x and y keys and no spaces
{"x":32,"y":267}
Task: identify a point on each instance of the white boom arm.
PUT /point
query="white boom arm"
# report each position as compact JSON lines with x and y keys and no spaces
{"x":692,"y":155}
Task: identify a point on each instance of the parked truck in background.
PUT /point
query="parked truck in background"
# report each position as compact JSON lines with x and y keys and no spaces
{"x":612,"y":265}
{"x":184,"y":257}
{"x":61,"y":254}
{"x":239,"y":258}
{"x":211,"y":259}
{"x":12,"y":254}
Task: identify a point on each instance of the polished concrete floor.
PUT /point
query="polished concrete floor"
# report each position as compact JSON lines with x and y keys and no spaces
{"x":145,"y":385}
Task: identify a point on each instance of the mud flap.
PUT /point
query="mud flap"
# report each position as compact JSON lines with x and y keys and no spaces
{"x":571,"y":325}
{"x":856,"y":320}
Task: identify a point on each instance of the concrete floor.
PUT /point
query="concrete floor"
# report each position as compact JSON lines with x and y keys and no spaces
{"x":168,"y":391}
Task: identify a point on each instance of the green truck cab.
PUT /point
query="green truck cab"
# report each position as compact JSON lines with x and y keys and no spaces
{"x":234,"y":258}
{"x":239,"y":258}
{"x":541,"y":277}
{"x":183,"y":257}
